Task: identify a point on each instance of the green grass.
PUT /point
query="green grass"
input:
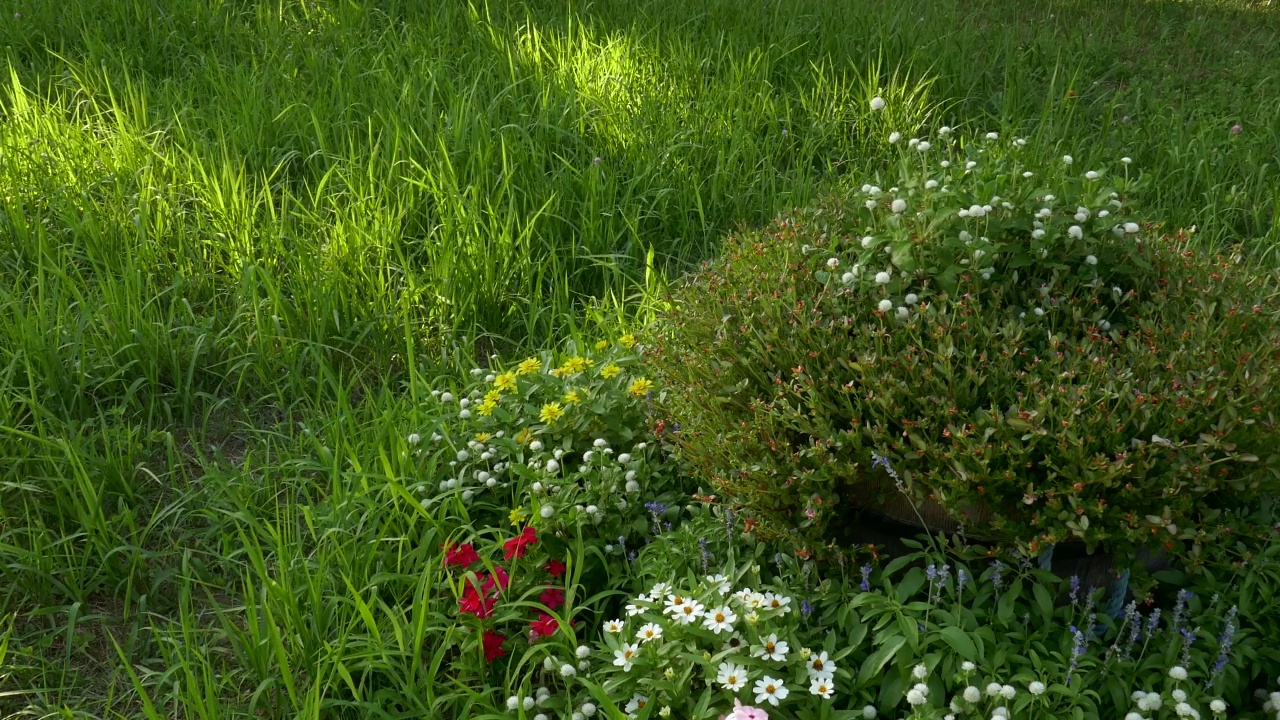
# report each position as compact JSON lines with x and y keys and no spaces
{"x":219,"y":220}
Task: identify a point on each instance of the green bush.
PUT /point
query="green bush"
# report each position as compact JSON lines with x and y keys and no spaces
{"x":1015,"y":352}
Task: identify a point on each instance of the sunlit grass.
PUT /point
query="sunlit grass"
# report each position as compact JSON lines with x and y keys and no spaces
{"x":220,"y":221}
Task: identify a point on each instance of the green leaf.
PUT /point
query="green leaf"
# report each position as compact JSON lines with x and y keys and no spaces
{"x":880,"y":658}
{"x":960,"y":642}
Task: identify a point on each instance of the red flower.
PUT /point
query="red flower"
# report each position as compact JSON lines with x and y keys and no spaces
{"x":544,"y":626}
{"x":552,"y":598}
{"x":515,"y":547}
{"x":472,"y":604}
{"x":496,"y":579}
{"x":555,"y":567}
{"x":492,"y":645}
{"x":460,"y":556}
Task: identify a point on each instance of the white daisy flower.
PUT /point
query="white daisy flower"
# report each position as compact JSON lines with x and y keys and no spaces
{"x":819,"y":663}
{"x":719,"y":583}
{"x":719,"y":620}
{"x":689,"y":612}
{"x":613,"y":626}
{"x":821,"y":686}
{"x":770,"y":690}
{"x":634,"y":609}
{"x":675,"y":604}
{"x":623,"y":656}
{"x":637,"y":703}
{"x":649,"y":631}
{"x":781,"y":603}
{"x":772,"y":648}
{"x":732,"y":677}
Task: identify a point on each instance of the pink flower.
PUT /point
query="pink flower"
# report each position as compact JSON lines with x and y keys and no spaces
{"x":746,"y":712}
{"x":1236,"y":129}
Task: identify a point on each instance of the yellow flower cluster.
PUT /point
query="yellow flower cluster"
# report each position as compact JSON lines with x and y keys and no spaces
{"x":640,"y":386}
{"x":610,"y":371}
{"x":573,"y":366}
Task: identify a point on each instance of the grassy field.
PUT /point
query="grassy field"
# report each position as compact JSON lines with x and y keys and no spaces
{"x":240,"y":241}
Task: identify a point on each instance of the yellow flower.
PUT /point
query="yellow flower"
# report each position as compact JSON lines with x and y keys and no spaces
{"x":486,"y":408}
{"x":483,"y":437}
{"x":492,"y":396}
{"x":573,"y":365}
{"x":571,"y":397}
{"x":517,"y":516}
{"x":628,"y":340}
{"x":505,"y":382}
{"x":532,"y":364}
{"x":610,"y":371}
{"x":640,"y":386}
{"x":602,"y":344}
{"x":525,"y":436}
{"x":551,"y":412}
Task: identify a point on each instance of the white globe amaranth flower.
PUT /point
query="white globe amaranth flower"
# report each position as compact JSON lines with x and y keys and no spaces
{"x":1008,"y":692}
{"x":567,"y":670}
{"x":528,"y":702}
{"x":1217,"y":706}
{"x":915,"y":697}
{"x":944,"y":164}
{"x":920,"y":672}
{"x":968,"y":666}
{"x":464,"y":414}
{"x":869,"y":712}
{"x":1126,"y":160}
{"x":833,"y":263}
{"x":923,"y":146}
{"x":898,"y":205}
{"x":1020,"y":142}
{"x":414,"y":438}
{"x":885,"y":305}
{"x":883,"y":277}
{"x":624,"y":458}
{"x":1036,"y":688}
{"x":1027,"y":174}
{"x":912,"y":298}
{"x":903,"y":312}
{"x":633,"y":486}
{"x":1177,"y":672}
{"x":913,"y":142}
{"x":513,"y":702}
{"x":1179,"y":694}
{"x":1131,"y":228}
{"x":1076,"y":232}
{"x":848,"y":278}
{"x":588,"y":709}
{"x":1067,"y":159}
{"x":446,"y":397}
{"x":1090,"y":260}
{"x":895,"y":136}
{"x":993,"y":689}
{"x":930,"y":184}
{"x":871,"y":204}
{"x":631,"y":475}
{"x":970,"y":165}
{"x":972,"y":694}
{"x":877,"y":103}
{"x":1134,"y":716}
{"x":464,"y":402}
{"x":546,"y":512}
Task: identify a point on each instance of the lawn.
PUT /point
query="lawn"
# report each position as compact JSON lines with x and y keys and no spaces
{"x":242,"y":243}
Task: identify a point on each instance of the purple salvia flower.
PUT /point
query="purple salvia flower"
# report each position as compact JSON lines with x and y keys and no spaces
{"x":882,"y":461}
{"x":1075,"y":590}
{"x":1180,"y":610}
{"x":1077,"y":650}
{"x":1225,"y":640}
{"x":706,"y":554}
{"x":1153,"y":622}
{"x":997,"y":574}
{"x":1134,"y":618}
{"x":866,"y":578}
{"x":728,"y":523}
{"x":806,"y":608}
{"x":1188,"y":639}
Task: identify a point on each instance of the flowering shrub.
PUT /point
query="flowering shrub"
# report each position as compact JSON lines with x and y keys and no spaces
{"x":1030,"y":360}
{"x":536,"y":441}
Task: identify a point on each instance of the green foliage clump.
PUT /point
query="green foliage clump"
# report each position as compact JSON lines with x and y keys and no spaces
{"x":995,"y":338}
